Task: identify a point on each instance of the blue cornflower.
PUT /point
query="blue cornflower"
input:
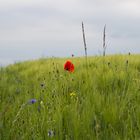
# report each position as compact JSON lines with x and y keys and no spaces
{"x":32,"y":101}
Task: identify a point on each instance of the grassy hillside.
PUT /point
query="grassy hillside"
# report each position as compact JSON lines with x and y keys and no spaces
{"x":39,"y":100}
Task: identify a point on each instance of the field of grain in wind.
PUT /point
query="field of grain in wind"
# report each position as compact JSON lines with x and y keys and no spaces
{"x":40,"y":100}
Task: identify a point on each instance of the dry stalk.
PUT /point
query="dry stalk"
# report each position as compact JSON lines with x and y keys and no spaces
{"x":84,"y":40}
{"x":104,"y":41}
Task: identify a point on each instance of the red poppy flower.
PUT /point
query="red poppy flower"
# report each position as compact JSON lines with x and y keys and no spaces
{"x":69,"y":66}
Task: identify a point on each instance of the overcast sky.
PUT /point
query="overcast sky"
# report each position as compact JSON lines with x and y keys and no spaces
{"x":30,"y":29}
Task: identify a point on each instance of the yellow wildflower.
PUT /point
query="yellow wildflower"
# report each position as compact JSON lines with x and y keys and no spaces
{"x":72,"y":94}
{"x":42,"y":104}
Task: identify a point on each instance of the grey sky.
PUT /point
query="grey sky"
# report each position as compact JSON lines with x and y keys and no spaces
{"x":30,"y":29}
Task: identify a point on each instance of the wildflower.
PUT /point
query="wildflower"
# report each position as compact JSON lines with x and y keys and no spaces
{"x":32,"y":101}
{"x":41,"y":103}
{"x":69,"y":66}
{"x":51,"y":133}
{"x":72,"y":94}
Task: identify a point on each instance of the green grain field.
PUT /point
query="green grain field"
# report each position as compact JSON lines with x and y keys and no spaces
{"x":100,"y":100}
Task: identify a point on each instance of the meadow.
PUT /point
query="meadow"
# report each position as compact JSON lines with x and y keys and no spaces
{"x":100,"y":100}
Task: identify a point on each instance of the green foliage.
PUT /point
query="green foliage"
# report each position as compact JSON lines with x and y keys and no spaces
{"x":101,"y":101}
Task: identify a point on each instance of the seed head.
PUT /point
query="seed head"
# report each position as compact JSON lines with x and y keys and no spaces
{"x":127,"y":62}
{"x":42,"y":85}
